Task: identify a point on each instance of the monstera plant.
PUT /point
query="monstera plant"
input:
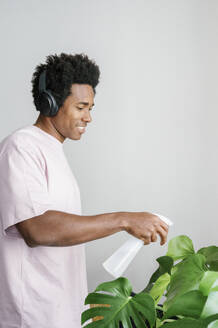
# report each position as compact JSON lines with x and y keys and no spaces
{"x":182,"y":293}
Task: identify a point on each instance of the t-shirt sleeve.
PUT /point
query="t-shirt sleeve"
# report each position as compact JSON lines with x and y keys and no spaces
{"x":23,"y":188}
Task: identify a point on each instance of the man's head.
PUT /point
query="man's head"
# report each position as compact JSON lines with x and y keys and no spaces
{"x":72,"y":80}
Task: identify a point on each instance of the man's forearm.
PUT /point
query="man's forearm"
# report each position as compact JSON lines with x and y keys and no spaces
{"x":55,"y":228}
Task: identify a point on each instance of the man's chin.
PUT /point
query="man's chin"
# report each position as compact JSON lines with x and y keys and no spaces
{"x":75,"y":137}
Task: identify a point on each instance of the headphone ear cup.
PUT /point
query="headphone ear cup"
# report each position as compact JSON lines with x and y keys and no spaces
{"x":45,"y":103}
{"x":48,"y":105}
{"x":53,"y":107}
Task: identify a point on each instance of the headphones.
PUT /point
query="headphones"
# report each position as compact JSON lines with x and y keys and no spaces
{"x":47,"y":102}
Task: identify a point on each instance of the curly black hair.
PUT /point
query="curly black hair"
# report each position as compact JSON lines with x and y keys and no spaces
{"x":61,"y":72}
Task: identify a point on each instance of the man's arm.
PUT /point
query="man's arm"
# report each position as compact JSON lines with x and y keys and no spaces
{"x":55,"y":228}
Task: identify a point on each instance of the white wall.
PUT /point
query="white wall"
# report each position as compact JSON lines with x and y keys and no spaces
{"x":153,"y":141}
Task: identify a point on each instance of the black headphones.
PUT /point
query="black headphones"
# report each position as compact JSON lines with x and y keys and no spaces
{"x":47,"y":102}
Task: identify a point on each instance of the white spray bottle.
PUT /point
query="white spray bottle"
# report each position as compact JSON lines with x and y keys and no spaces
{"x":118,"y":262}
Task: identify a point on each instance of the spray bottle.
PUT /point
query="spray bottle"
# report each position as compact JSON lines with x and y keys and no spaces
{"x":118,"y":262}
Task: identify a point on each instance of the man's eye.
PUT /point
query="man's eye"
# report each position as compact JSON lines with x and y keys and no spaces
{"x":81,"y":108}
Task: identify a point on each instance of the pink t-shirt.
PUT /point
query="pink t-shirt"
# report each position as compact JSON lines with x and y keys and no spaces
{"x":40,"y":287}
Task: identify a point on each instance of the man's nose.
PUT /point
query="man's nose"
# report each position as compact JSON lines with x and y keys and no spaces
{"x":87,"y":116}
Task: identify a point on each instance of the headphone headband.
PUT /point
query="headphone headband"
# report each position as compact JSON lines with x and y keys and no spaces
{"x":42,"y":83}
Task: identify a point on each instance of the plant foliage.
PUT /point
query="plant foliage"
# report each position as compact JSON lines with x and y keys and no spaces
{"x":186,"y":281}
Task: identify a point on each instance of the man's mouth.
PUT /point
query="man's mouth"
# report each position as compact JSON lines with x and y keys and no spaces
{"x":82,"y":129}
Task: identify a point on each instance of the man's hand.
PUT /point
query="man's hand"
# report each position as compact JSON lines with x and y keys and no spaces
{"x":145,"y":226}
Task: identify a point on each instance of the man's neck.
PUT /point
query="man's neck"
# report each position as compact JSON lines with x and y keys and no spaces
{"x":46,"y":125}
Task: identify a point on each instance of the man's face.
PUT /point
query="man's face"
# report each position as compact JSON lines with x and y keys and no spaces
{"x":74,"y":115}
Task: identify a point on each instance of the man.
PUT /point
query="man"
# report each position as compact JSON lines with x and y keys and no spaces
{"x":42,"y":259}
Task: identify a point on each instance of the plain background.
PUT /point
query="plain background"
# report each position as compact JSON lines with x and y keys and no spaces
{"x":152,"y":145}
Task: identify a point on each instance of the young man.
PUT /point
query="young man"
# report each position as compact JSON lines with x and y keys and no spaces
{"x":42,"y":259}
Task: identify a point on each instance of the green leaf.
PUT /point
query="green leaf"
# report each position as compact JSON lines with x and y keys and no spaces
{"x":165,"y":266}
{"x":210,"y":319}
{"x":192,"y":323}
{"x":195,"y":305}
{"x":176,"y":267}
{"x":211,"y":306}
{"x":180,"y":247}
{"x":121,"y":306}
{"x":211,"y":254}
{"x":213,"y":324}
{"x":159,"y":287}
{"x":208,"y":282}
{"x":186,"y":278}
{"x":119,"y":287}
{"x":158,"y":323}
{"x":185,"y":323}
{"x":190,"y":304}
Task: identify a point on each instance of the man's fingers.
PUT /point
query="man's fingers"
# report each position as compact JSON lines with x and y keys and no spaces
{"x":154,"y":237}
{"x":164,"y":225}
{"x":147,"y":240}
{"x":163,"y":235}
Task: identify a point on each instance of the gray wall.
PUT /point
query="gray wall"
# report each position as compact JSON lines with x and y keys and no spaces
{"x":153,"y":141}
